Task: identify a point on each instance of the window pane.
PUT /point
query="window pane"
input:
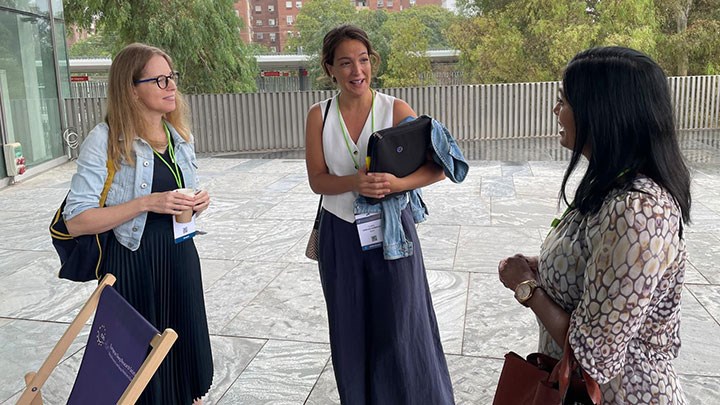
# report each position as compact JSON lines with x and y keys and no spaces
{"x":61,"y":48}
{"x":28,"y":88}
{"x":57,"y":7}
{"x":31,"y":6}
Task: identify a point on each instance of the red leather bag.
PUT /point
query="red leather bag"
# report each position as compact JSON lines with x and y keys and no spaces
{"x":543,"y":380}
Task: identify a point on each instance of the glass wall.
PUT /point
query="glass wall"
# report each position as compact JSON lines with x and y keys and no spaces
{"x":29,"y":68}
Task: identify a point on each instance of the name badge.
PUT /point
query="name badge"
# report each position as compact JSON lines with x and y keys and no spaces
{"x":183,"y":230}
{"x":370,"y":230}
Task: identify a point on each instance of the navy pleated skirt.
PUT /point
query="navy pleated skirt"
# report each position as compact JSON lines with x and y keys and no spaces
{"x":162,"y":281}
{"x":384,"y":336}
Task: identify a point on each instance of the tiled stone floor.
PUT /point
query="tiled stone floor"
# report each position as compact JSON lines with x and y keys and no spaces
{"x":265,"y":306}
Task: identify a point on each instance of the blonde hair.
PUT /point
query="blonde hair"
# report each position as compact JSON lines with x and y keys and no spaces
{"x":125,"y":112}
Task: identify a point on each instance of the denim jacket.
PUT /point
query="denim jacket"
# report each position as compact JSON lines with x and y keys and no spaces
{"x":130,"y":182}
{"x":448,"y":155}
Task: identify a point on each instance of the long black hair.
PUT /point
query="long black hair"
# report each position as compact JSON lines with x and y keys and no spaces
{"x":622,"y":109}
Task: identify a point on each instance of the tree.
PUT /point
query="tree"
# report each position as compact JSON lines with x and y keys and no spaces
{"x":407,"y":64}
{"x":202,"y":37}
{"x":518,"y":40}
{"x":96,"y":45}
{"x":386,"y":31}
{"x":314,"y":20}
{"x":436,"y":21}
{"x":497,"y":36}
{"x":690,"y":40}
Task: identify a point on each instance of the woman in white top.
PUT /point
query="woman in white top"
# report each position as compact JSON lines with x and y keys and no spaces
{"x":384,"y":337}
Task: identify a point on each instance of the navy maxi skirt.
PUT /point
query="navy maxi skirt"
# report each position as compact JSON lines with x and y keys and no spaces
{"x":161,"y":280}
{"x":384,"y":337}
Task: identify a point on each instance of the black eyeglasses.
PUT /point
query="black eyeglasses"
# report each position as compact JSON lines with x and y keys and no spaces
{"x":162,"y":80}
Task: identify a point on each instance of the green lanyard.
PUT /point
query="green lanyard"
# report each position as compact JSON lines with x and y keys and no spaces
{"x":356,"y":162}
{"x":175,"y":172}
{"x":556,"y":221}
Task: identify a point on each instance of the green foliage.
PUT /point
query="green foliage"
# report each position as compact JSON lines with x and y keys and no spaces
{"x":435,"y":19}
{"x":387,"y":33}
{"x":97,"y":45}
{"x":689,"y":38}
{"x":407,"y":63}
{"x":202,"y":37}
{"x":518,"y":41}
{"x":532,"y":40}
{"x":315,"y":19}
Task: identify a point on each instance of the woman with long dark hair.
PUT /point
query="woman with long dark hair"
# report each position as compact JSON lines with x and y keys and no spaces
{"x":610,"y":273}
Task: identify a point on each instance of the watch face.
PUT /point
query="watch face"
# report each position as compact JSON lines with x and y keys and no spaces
{"x":523,"y":291}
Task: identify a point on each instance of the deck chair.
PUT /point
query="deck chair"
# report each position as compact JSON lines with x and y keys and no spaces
{"x":116,"y":366}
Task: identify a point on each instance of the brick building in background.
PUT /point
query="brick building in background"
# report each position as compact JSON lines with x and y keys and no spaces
{"x":270,"y":23}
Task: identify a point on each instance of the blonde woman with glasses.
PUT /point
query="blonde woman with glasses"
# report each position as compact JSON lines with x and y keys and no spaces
{"x":147,"y":141}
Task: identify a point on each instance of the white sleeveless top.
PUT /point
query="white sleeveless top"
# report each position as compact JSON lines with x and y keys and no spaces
{"x":337,"y":156}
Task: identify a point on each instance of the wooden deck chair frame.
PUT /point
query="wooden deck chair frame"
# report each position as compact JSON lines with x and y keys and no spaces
{"x":161,"y":345}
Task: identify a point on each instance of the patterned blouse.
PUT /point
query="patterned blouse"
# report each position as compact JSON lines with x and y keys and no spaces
{"x":620,"y":274}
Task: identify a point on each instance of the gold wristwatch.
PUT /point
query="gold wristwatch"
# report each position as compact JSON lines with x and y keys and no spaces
{"x":524,"y":291}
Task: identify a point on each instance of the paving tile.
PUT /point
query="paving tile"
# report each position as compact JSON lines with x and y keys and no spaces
{"x":26,"y":345}
{"x":439,"y":245}
{"x":291,"y":307}
{"x":449,"y":292}
{"x":35,"y":292}
{"x":474,"y":378}
{"x":281,"y":373}
{"x":264,"y":302}
{"x":700,"y":351}
{"x":700,"y":389}
{"x":495,"y":323}
{"x":480,"y":248}
{"x":231,"y":356}
{"x":325,"y":391}
{"x":525,"y":212}
{"x":704,"y":253}
{"x":709,"y":298}
{"x":227,"y":297}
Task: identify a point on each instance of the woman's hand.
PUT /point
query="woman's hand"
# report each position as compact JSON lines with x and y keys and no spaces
{"x":374,"y":185}
{"x":202,"y":201}
{"x":169,"y":202}
{"x":516,"y":269}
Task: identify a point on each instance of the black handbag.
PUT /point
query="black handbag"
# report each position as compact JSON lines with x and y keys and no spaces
{"x":400,"y":150}
{"x":80,"y":256}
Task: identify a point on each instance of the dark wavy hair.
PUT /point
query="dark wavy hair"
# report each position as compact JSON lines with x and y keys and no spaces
{"x":339,"y":34}
{"x":622,"y":109}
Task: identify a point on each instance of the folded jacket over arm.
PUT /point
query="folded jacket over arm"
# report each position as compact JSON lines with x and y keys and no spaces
{"x":446,"y":153}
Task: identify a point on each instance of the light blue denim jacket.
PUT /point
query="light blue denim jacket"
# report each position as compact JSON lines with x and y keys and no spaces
{"x":448,"y":155}
{"x":130,"y":182}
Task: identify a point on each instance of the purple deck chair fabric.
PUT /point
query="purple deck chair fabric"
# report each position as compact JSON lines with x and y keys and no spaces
{"x":118,"y":344}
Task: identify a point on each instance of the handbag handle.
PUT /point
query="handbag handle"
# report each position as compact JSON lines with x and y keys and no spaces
{"x":565,"y":367}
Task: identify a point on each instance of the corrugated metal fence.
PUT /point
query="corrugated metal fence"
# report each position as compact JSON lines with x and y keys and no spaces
{"x":276,"y":121}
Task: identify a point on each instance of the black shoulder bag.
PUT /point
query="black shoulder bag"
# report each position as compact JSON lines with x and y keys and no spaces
{"x":80,"y":256}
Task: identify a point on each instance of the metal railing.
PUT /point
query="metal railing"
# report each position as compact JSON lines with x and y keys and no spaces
{"x":276,"y":120}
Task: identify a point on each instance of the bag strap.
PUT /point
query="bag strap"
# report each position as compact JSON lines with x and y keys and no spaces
{"x":108,"y":181}
{"x":563,"y":370}
{"x":316,"y":225}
